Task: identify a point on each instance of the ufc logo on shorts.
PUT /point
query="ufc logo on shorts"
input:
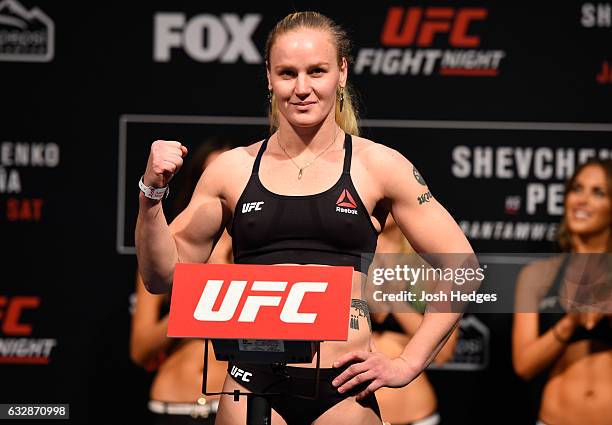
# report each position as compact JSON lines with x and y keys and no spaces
{"x":405,"y":27}
{"x":289,"y":312}
{"x":206,"y":38}
{"x":236,"y":372}
{"x":252,"y":206}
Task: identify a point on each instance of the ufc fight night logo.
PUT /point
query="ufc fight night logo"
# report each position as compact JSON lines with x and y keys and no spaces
{"x":263,"y":302}
{"x":18,"y":345}
{"x":422,"y":28}
{"x":206,"y":38}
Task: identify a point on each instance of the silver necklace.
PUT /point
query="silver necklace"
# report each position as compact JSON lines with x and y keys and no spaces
{"x":301,"y":169}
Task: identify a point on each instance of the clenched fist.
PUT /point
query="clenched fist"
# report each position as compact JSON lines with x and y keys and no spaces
{"x":165,"y":160}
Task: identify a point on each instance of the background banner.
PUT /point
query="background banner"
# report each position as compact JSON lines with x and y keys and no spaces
{"x":495,"y":104}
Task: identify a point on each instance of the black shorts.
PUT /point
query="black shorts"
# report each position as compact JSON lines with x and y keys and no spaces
{"x":296,"y":384}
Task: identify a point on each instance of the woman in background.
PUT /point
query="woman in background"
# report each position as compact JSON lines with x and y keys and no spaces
{"x":573,"y":346}
{"x":176,"y":392}
{"x":416,"y":403}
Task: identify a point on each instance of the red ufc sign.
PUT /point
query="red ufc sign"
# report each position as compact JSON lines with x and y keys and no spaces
{"x":240,"y":301}
{"x":10,"y":314}
{"x":405,"y":27}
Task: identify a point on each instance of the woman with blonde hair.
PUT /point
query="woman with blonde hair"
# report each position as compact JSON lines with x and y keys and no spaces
{"x":324,"y":193}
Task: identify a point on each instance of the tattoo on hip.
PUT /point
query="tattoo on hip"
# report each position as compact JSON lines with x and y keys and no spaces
{"x":362,"y":311}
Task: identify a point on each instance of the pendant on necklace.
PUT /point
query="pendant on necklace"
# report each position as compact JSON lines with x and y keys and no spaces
{"x":300,"y":174}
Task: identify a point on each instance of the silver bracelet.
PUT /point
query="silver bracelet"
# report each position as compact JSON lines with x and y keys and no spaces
{"x":151,"y":192}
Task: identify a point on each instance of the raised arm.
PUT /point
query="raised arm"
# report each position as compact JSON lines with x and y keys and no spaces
{"x":191,"y":236}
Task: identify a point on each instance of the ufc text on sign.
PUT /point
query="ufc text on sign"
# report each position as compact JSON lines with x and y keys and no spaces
{"x":239,"y":301}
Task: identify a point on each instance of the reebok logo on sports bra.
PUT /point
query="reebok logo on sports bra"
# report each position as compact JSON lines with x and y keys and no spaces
{"x":252,"y":206}
{"x":345,"y":203}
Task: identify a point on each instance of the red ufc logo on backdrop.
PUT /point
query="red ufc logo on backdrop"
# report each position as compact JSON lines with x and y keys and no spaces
{"x":404,"y":27}
{"x":10,"y":313}
{"x":260,"y":302}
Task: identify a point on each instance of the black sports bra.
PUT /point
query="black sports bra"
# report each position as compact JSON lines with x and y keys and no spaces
{"x":330,"y":228}
{"x":551,"y":312}
{"x":390,"y":324}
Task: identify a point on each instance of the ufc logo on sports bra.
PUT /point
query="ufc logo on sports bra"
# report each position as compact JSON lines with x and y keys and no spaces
{"x":252,"y":206}
{"x":244,"y":301}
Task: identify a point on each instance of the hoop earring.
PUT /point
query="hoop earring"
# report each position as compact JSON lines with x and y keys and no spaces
{"x":341,"y":98}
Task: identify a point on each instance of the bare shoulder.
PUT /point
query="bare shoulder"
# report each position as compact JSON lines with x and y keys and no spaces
{"x":229,"y":169}
{"x":387,"y":169}
{"x":236,"y":157}
{"x":376,"y":156}
{"x":543,"y":265}
{"x":539,"y":273}
{"x":234,"y":161}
